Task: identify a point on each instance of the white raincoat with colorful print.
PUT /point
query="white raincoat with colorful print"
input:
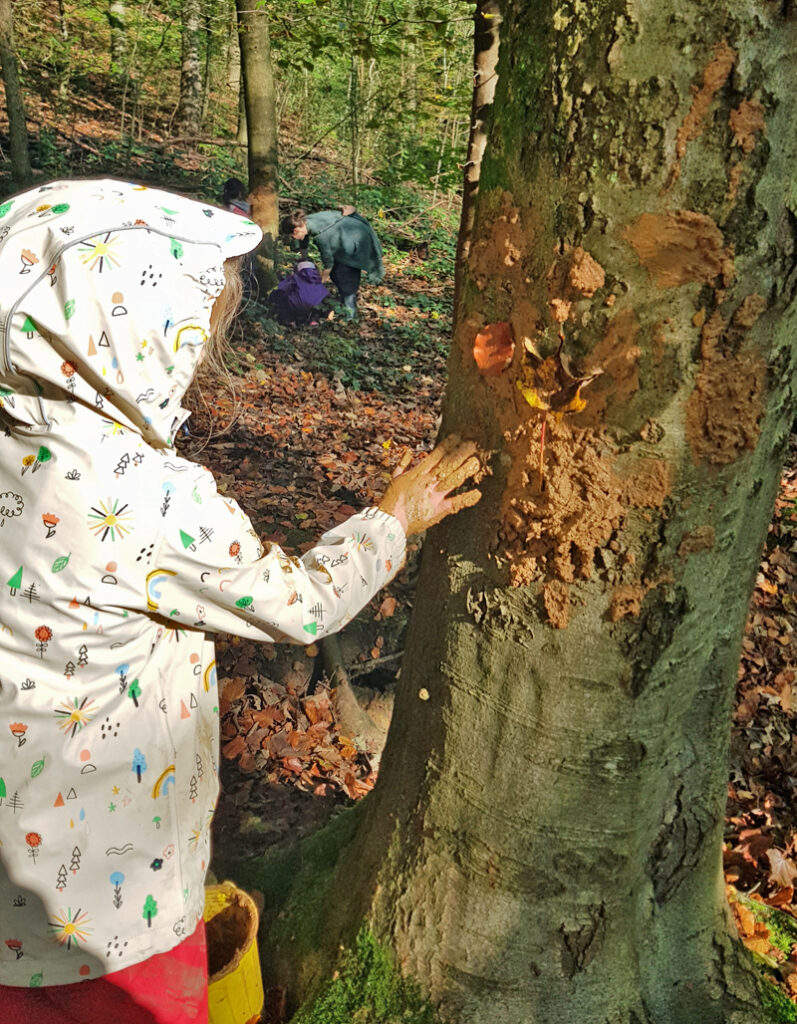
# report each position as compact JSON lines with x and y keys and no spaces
{"x":116,"y":555}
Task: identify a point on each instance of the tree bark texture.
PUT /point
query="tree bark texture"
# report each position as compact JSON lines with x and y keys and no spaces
{"x":261,"y":126}
{"x":116,"y":20}
{"x":15,"y":105}
{"x":544,"y":842}
{"x":190,"y":111}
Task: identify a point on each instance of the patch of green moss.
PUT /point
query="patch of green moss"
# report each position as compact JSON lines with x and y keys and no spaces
{"x":295,"y":883}
{"x":367,"y":989}
{"x":776,"y":1006}
{"x":782,"y":927}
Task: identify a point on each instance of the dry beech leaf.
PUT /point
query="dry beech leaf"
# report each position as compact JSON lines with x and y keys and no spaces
{"x":782,"y":869}
{"x":388,"y":607}
{"x":493,"y":349}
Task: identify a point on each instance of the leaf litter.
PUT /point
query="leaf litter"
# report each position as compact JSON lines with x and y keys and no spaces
{"x":760,"y":849}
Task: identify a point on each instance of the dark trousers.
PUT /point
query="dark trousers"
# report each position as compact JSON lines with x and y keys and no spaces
{"x":347,"y":281}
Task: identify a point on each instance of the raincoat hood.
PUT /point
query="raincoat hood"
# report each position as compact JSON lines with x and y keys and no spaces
{"x":106,"y":300}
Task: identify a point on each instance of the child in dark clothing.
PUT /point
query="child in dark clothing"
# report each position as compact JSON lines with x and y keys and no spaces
{"x":348,"y":246}
{"x":299,"y":294}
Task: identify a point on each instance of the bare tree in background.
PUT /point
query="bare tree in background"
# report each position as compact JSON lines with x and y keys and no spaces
{"x":190,"y":111}
{"x":17,"y":128}
{"x":117,"y":21}
{"x":261,"y":121}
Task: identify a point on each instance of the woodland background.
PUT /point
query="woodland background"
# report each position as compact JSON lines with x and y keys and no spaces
{"x":372,"y":108}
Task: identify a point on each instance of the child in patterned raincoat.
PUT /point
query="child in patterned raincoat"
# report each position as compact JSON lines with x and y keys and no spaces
{"x":117,"y":557}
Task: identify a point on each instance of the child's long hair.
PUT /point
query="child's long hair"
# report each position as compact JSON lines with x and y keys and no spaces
{"x":213,"y":368}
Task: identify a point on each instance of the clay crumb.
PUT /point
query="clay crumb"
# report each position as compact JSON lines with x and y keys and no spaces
{"x":746,"y":121}
{"x":556,"y":598}
{"x":626,"y":600}
{"x":701,"y":539}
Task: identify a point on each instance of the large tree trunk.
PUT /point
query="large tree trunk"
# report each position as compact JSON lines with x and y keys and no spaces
{"x":544,"y":841}
{"x":17,"y":127}
{"x":261,"y":126}
{"x":190,"y":111}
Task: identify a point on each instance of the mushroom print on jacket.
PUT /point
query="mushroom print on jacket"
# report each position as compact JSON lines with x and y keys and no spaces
{"x":117,"y":556}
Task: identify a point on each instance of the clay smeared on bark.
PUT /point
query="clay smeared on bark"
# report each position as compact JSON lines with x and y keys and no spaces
{"x":724,"y":410}
{"x":502,"y":249}
{"x":647,"y":484}
{"x":556,"y":597}
{"x":553,"y":534}
{"x":574,"y":275}
{"x":746,"y":122}
{"x":627,"y":601}
{"x":680,"y":247}
{"x":701,"y":539}
{"x":715,"y":75}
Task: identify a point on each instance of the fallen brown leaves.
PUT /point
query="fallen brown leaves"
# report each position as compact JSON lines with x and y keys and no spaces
{"x":288,"y":736}
{"x":761,"y":824}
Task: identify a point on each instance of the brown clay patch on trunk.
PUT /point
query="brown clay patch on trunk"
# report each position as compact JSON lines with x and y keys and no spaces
{"x":553,"y":533}
{"x":751,"y":308}
{"x":556,"y":598}
{"x":746,"y":122}
{"x":647,"y":484}
{"x":575,"y":274}
{"x":724,"y":410}
{"x":715,"y":75}
{"x":680,"y":247}
{"x":501,"y":251}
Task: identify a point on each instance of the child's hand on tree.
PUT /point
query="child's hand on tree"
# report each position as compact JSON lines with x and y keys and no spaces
{"x":419,"y":497}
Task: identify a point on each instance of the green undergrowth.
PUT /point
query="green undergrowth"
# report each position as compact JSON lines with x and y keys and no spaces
{"x":367,"y":989}
{"x":296,"y":883}
{"x":775,"y":1005}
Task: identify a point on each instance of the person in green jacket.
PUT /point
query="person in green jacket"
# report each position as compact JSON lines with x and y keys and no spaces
{"x":348,"y":246}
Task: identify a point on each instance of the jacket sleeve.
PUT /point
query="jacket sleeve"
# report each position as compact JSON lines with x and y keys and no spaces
{"x":213,"y":573}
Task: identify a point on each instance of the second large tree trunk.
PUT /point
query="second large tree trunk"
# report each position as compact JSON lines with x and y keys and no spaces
{"x":261,"y":127}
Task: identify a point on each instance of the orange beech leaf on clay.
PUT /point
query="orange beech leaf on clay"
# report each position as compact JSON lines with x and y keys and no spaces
{"x":493,"y":349}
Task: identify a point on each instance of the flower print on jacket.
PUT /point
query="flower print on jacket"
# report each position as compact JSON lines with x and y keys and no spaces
{"x":119,"y":557}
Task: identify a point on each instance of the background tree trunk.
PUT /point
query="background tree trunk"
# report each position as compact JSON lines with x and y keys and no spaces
{"x":486,"y":42}
{"x":116,"y":21}
{"x":17,"y":128}
{"x":261,"y":125}
{"x":190,"y":111}
{"x":544,"y":840}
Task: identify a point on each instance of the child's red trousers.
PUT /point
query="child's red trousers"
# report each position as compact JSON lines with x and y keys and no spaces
{"x":169,"y":988}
